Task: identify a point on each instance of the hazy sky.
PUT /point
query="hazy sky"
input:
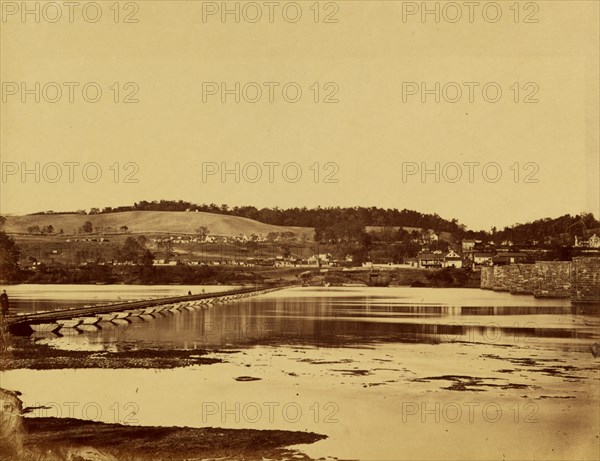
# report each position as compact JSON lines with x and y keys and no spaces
{"x":372,"y":62}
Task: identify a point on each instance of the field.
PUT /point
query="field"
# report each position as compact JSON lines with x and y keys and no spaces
{"x":55,"y":249}
{"x":154,"y":222}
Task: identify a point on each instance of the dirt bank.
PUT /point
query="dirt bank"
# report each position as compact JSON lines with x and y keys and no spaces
{"x":23,"y":353}
{"x":50,"y":439}
{"x":53,"y":439}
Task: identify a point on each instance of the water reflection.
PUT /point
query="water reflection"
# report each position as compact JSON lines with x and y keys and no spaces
{"x":304,"y":316}
{"x":37,"y":298}
{"x":373,"y":352}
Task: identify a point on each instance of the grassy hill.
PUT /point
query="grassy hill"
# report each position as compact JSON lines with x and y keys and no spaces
{"x":154,"y":222}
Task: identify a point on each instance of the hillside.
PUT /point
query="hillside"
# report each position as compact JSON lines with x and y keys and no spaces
{"x":154,"y":222}
{"x":445,"y":236}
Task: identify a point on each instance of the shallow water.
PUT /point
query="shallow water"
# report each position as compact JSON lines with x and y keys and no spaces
{"x":346,"y":316}
{"x":385,"y":373}
{"x":36,"y":298}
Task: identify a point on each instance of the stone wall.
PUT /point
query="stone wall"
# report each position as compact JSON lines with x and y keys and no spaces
{"x":487,"y":278}
{"x":585,"y":278}
{"x":552,"y":279}
{"x":521,"y":278}
{"x":578,"y":280}
{"x":500,"y":282}
{"x":510,"y":274}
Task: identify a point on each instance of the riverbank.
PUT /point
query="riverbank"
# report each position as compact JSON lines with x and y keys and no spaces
{"x":311,"y":359}
{"x":250,"y":275}
{"x":543,"y":401}
{"x":54,"y":439}
{"x":18,"y":352}
{"x":62,"y":437}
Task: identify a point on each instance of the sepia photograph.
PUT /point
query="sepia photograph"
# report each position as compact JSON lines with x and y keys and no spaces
{"x":346,"y":230}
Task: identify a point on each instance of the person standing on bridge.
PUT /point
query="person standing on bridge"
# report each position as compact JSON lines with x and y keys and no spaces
{"x":4,"y":303}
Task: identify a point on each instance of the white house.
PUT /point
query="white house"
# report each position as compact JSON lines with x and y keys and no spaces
{"x":452,"y":259}
{"x":592,"y":242}
{"x":468,"y":245}
{"x":320,"y":259}
{"x":482,"y":259}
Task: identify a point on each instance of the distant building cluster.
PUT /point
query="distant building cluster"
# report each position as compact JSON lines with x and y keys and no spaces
{"x":476,"y":254}
{"x":398,"y":247}
{"x":186,"y":239}
{"x":592,"y":242}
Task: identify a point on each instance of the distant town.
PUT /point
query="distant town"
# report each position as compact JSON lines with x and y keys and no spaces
{"x":149,"y":236}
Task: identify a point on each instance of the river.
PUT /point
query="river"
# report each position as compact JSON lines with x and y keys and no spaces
{"x":385,"y":373}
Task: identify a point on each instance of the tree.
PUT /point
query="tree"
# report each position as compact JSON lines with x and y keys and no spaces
{"x":147,"y":266}
{"x":288,"y":235}
{"x":202,"y":231}
{"x":131,"y":251}
{"x":142,"y":240}
{"x":364,"y":239}
{"x":360,"y":255}
{"x":87,"y":227}
{"x":9,"y":258}
{"x":124,"y":229}
{"x":167,"y":247}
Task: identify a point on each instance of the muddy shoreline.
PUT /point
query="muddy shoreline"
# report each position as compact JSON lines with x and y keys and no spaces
{"x":23,"y":353}
{"x":54,"y":439}
{"x":50,"y":439}
{"x":396,"y":365}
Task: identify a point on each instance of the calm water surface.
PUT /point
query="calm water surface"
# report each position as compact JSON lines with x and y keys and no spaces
{"x":385,"y":373}
{"x":38,"y":298}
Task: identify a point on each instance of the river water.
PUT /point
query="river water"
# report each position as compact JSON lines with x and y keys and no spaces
{"x":39,"y":298}
{"x":385,"y":373}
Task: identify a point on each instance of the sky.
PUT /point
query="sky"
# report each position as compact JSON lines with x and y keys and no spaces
{"x":491,"y":123}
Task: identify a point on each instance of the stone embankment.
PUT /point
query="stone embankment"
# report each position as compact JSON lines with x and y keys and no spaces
{"x":578,"y":280}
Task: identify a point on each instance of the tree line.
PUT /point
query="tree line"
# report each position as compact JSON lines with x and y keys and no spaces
{"x":329,"y":223}
{"x":348,"y":223}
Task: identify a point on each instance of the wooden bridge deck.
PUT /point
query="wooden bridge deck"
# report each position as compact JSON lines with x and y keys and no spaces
{"x":20,"y":323}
